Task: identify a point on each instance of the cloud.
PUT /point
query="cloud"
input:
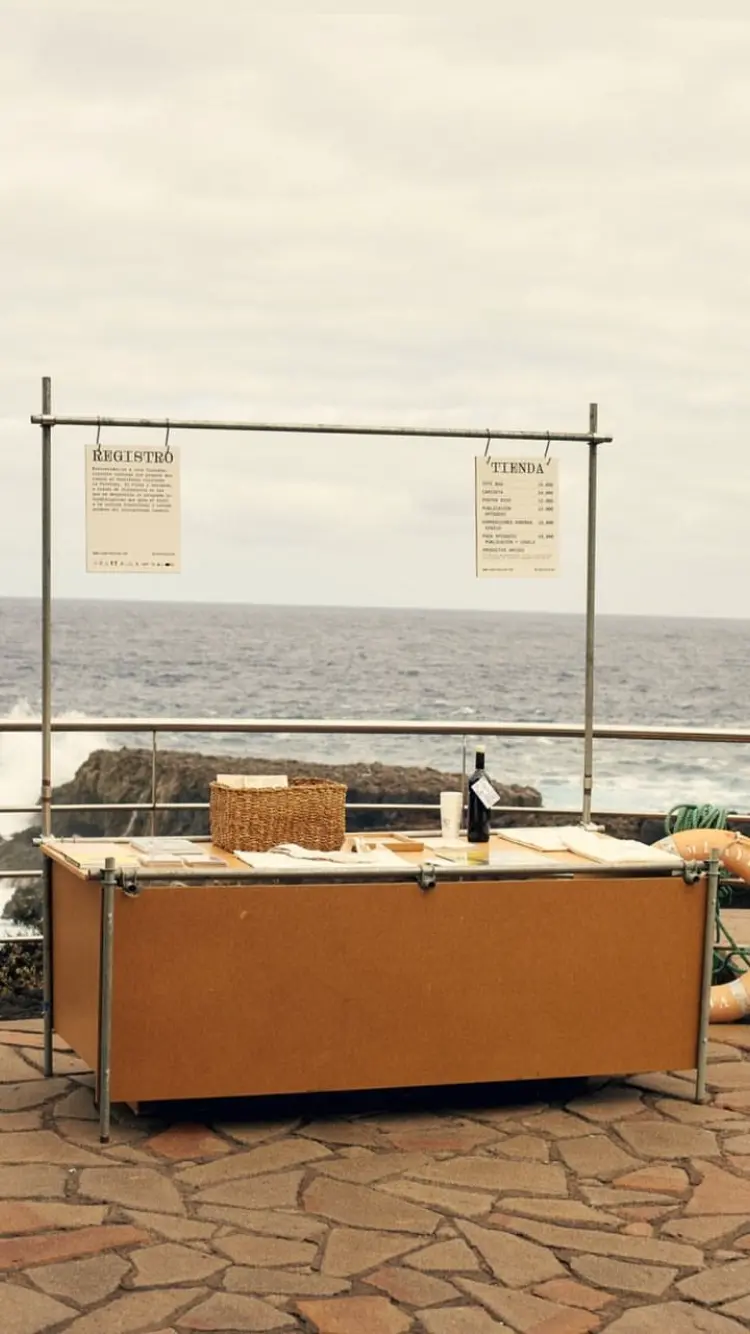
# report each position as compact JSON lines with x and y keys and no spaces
{"x":433,"y":219}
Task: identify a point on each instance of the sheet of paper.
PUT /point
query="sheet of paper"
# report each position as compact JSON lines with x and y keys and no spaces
{"x":516,"y":517}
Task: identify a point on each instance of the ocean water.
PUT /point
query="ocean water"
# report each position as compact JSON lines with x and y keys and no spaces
{"x":188,"y":660}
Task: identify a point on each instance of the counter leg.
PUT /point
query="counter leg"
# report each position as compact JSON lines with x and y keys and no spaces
{"x":48,"y":987}
{"x":105,"y":997}
{"x":712,"y":890}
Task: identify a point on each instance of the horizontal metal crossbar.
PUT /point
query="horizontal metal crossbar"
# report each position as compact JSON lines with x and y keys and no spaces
{"x":321,"y":428}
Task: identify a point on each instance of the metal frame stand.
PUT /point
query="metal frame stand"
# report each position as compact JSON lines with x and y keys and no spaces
{"x":48,"y":983}
{"x":712,"y":891}
{"x":47,"y":420}
{"x":106,"y":978}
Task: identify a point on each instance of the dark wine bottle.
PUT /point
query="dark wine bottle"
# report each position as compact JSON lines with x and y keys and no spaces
{"x":482,"y":797}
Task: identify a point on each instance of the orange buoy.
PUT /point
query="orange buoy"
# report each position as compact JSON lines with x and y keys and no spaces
{"x":731,"y":1001}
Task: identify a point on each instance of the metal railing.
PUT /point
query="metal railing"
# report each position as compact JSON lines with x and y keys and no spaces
{"x":156,"y":727}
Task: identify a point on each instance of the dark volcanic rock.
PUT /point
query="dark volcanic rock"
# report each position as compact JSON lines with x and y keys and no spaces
{"x":111,"y":776}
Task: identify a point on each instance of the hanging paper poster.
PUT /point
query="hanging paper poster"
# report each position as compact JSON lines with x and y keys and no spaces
{"x":132,"y":511}
{"x":516,"y":517}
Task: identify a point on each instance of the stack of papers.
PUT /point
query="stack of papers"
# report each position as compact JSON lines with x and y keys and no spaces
{"x":289,"y":856}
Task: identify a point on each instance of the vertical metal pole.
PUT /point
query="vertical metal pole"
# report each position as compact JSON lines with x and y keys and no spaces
{"x":46,"y":608}
{"x":153,"y":783}
{"x":712,"y":891}
{"x":588,"y":734}
{"x":464,"y":793}
{"x":47,"y":965}
{"x":106,"y":959}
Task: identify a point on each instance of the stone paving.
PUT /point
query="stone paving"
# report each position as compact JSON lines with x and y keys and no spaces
{"x":617,"y":1206}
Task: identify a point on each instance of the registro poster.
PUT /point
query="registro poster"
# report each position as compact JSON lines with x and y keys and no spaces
{"x":516,"y":517}
{"x":132,"y":510}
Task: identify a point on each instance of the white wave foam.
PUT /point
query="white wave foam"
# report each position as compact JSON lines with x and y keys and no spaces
{"x":20,"y":763}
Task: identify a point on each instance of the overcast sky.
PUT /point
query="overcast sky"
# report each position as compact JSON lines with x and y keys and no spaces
{"x":443,"y":220}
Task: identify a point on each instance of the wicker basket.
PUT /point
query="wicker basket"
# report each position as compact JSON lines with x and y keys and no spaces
{"x":310,"y":812}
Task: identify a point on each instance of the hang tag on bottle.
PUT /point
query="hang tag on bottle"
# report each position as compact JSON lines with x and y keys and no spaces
{"x":486,"y":792}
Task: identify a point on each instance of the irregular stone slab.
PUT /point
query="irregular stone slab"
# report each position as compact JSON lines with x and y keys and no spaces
{"x":361,"y":1206}
{"x":675,"y":1317}
{"x":560,"y":1211}
{"x":514,"y":1261}
{"x":366,"y":1315}
{"x":181,"y":1142}
{"x":492,"y":1175}
{"x":134,"y":1311}
{"x":458,"y":1320}
{"x":469,"y":1204}
{"x":167,"y":1264}
{"x":65,"y":1062}
{"x":411,"y":1287}
{"x":25,"y":1311}
{"x":14,"y":1069}
{"x":739,"y":1144}
{"x":170,"y":1227}
{"x":274,"y":1157}
{"x":668,"y":1086}
{"x":243,"y":1249}
{"x":616,"y":1196}
{"x":734,"y":1035}
{"x":33,"y":1216}
{"x":133,"y":1187}
{"x":722,"y":1051}
{"x":569,"y":1293}
{"x":77,"y":1106}
{"x":719,"y":1193}
{"x":595,"y":1156}
{"x":558,"y":1125}
{"x":522,"y":1146}
{"x":272,"y":1222}
{"x":444,"y":1257}
{"x":279,"y":1190}
{"x":37,"y":1181}
{"x":668,"y":1139}
{"x":735,"y":1102}
{"x":20,"y":1121}
{"x":720,"y":1284}
{"x":84,"y":1282}
{"x":368,"y":1167}
{"x":660,"y":1180}
{"x":44,"y":1248}
{"x":521,"y":1310}
{"x":609,"y":1104}
{"x":355,"y":1250}
{"x":292,"y":1282}
{"x":228,"y":1311}
{"x":344,"y":1132}
{"x":42,"y":1146}
{"x":623,"y":1276}
{"x":257,"y":1132}
{"x":649,"y":1250}
{"x":727,"y":1078}
{"x":698,"y":1114}
{"x":450,"y":1137}
{"x":704,"y":1229}
{"x":17,"y":1097}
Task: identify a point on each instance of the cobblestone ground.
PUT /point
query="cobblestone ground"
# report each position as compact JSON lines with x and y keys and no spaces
{"x":624,"y":1207}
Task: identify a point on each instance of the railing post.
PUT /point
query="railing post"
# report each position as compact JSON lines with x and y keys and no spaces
{"x":153,"y":782}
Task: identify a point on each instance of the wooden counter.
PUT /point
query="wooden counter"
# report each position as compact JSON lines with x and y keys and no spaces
{"x":246,"y":987}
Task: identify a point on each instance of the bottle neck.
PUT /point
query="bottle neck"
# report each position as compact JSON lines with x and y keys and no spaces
{"x":480,"y":759}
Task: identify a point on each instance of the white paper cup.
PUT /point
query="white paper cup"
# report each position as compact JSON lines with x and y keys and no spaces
{"x":451,"y":806}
